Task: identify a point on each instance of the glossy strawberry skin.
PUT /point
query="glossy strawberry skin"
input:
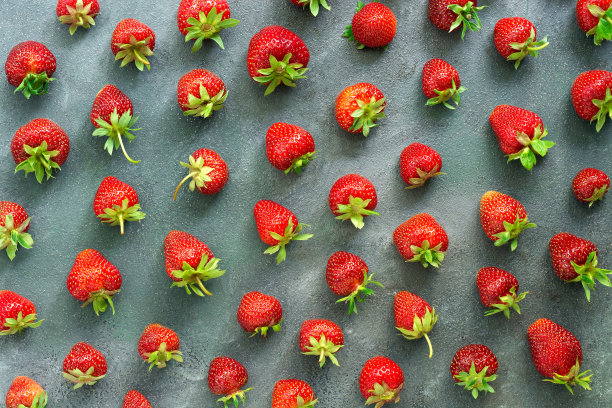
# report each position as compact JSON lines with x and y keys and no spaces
{"x":34,"y":133}
{"x":406,"y":305}
{"x":346,"y":103}
{"x":417,"y":157}
{"x":92,"y":272}
{"x":587,"y":86}
{"x":126,"y":29}
{"x":352,"y":185}
{"x":82,"y":356}
{"x":134,"y":399}
{"x":374,"y":25}
{"x":257,"y":310}
{"x":554,"y":349}
{"x":587,"y":181}
{"x":22,"y":392}
{"x":11,"y":304}
{"x":494,"y":283}
{"x":378,"y":370}
{"x":586,"y":20}
{"x":317,"y":328}
{"x":438,"y":74}
{"x":286,"y":392}
{"x":179,"y":247}
{"x":345,"y":272}
{"x":441,"y":16}
{"x":272,"y":217}
{"x":192,"y":8}
{"x":28,"y":57}
{"x":220,"y":174}
{"x":481,"y":356}
{"x":190,"y":84}
{"x":285,"y":143}
{"x":506,"y":121}
{"x":18,"y":213}
{"x":153,"y":336}
{"x":226,"y":376}
{"x":566,"y":248}
{"x":107,"y":100}
{"x":511,"y":30}
{"x":415,"y":231}
{"x":112,"y":192}
{"x":495,"y":208}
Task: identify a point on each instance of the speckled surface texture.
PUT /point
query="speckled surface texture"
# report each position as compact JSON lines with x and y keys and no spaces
{"x":63,"y":222}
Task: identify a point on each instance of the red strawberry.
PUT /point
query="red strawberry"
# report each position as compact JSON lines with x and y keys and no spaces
{"x":111,"y":114}
{"x":503,"y":218}
{"x":189,"y":262}
{"x":159,"y":344}
{"x":117,"y":202}
{"x":277,"y":226}
{"x":347,"y":275}
{"x":498,"y":290}
{"x":277,"y":55}
{"x":289,"y":147}
{"x":441,"y":82}
{"x":26,"y":393}
{"x":257,"y":313}
{"x":200,"y":93}
{"x":414,"y":318}
{"x":134,"y":399}
{"x":84,"y":365}
{"x":353,"y":197}
{"x":590,"y":185}
{"x":16,"y":313}
{"x":225,"y":377}
{"x":595,"y":18}
{"x":293,"y":394}
{"x":380,"y":382}
{"x":418,"y":163}
{"x":313,"y":5}
{"x":14,"y":225}
{"x":133,"y":41}
{"x":77,"y":13}
{"x":322,"y":338}
{"x":474,"y":366}
{"x":557,"y":354}
{"x":29,"y":67}
{"x":421,"y":239}
{"x":515,"y":38}
{"x":373,"y":26}
{"x":592,"y":96}
{"x":200,"y":20}
{"x":519,"y":134}
{"x":359,"y":106}
{"x":448,"y":15}
{"x":207,"y":171}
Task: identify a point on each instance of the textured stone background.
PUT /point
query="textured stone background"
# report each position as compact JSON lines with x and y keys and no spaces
{"x":63,"y":222}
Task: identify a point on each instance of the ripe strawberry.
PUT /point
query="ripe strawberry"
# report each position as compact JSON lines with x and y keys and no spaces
{"x":29,"y":67}
{"x":557,"y":354}
{"x":289,"y":147}
{"x":418,"y":163}
{"x":159,"y":344}
{"x":277,"y":226}
{"x":207,"y":171}
{"x":200,"y":93}
{"x":421,"y":239}
{"x":134,"y":399}
{"x":257,"y":313}
{"x":441,"y":82}
{"x":592,"y":96}
{"x":519,"y":134}
{"x":498,"y":290}
{"x":595,"y":18}
{"x":200,"y":20}
{"x":14,"y":225}
{"x":373,"y":26}
{"x":347,"y":275}
{"x":293,"y":394}
{"x":77,"y":13}
{"x":474,"y":366}
{"x":353,"y":197}
{"x":313,"y":5}
{"x":225,"y":377}
{"x":515,"y":38}
{"x":189,"y":262}
{"x":133,"y":41}
{"x":84,"y":365}
{"x":359,"y":106}
{"x":111,"y":114}
{"x":117,"y":202}
{"x":590,"y":185}
{"x":503,"y":218}
{"x":414,"y":318}
{"x":448,"y":15}
{"x":16,"y":313}
{"x":26,"y":393}
{"x":277,"y":55}
{"x":380,"y":382}
{"x":322,"y":338}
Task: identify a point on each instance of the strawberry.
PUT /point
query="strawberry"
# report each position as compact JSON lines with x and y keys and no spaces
{"x":159,"y":344}
{"x":503,"y":218}
{"x":595,"y":18}
{"x":421,"y":239}
{"x":353,"y":197}
{"x":93,"y":279}
{"x":380,"y":382}
{"x":16,"y":313}
{"x":574,"y":259}
{"x":347,"y":275}
{"x":134,"y":399}
{"x":441,"y":82}
{"x":519,"y":133}
{"x":257,"y":313}
{"x":225,"y":377}
{"x":359,"y":106}
{"x":418,"y":163}
{"x":414,"y":318}
{"x":313,"y":5}
{"x":590,"y":185}
{"x":277,"y":55}
{"x":557,"y":354}
{"x":293,"y":394}
{"x":29,"y":67}
{"x":498,"y":290}
{"x":14,"y":225}
{"x":592,"y":96}
{"x":373,"y":26}
{"x":111,"y":114}
{"x":77,"y":13}
{"x":448,"y":15}
{"x":117,"y":202}
{"x":84,"y":365}
{"x":289,"y":147}
{"x":25,"y":393}
{"x":189,"y":262}
{"x":322,"y":338}
{"x":474,"y":367}
{"x":207,"y":171}
{"x":515,"y":38}
{"x":133,"y":41}
{"x":200,"y":20}
{"x":277,"y":226}
{"x":200,"y":93}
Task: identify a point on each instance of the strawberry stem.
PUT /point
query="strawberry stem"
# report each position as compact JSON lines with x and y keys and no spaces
{"x":78,"y":16}
{"x":529,"y":47}
{"x":12,"y":237}
{"x":208,"y":27}
{"x":289,"y":235}
{"x":382,"y":394}
{"x":420,"y":328}
{"x":589,"y":273}
{"x":476,"y":381}
{"x":282,"y":71}
{"x":362,"y":290}
{"x":467,"y":17}
{"x":355,"y":210}
{"x":17,"y":325}
{"x":300,"y":162}
{"x":79,"y":378}
{"x":118,"y":127}
{"x":366,"y":115}
{"x":192,"y":278}
{"x":323,"y":348}
{"x":533,"y":146}
{"x":512,"y":231}
{"x":135,"y":51}
{"x":117,"y":215}
{"x":199,"y":173}
{"x":205,"y":105}
{"x":453,"y":93}
{"x":572,"y":378}
{"x":507,"y":302}
{"x":234,"y":398}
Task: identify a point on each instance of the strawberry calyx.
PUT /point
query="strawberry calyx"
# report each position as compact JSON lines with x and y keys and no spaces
{"x":384,"y":394}
{"x":136,"y":51}
{"x":589,"y":272}
{"x":416,"y":182}
{"x":426,"y":255}
{"x":314,"y":5}
{"x":512,"y":231}
{"x":572,"y":378}
{"x":348,"y":32}
{"x":204,"y":106}
{"x":39,"y":401}
{"x":234,"y":397}
{"x":355,"y":210}
{"x":11,"y":237}
{"x":506,"y":302}
{"x":280,"y":72}
{"x":467,"y":17}
{"x":603,"y":29}
{"x":79,"y":378}
{"x":367,"y":114}
{"x":21,"y":322}
{"x":162,"y":355}
{"x":362,"y":290}
{"x":39,"y":161}
{"x":534,"y":146}
{"x":323,"y":348}
{"x":34,"y":84}
{"x":192,"y":278}
{"x":304,"y":404}
{"x":207,"y":27}
{"x":118,"y":215}
{"x":605,"y":109}
{"x":529,"y":47}
{"x":420,"y":328}
{"x":453,"y":93}
{"x":283,"y":240}
{"x":300,"y":162}
{"x":198,"y":173}
{"x":100,"y":300}
{"x":263,"y":330}
{"x":476,"y":381}
{"x":598,"y":194}
{"x":78,"y":16}
{"x":118,"y":127}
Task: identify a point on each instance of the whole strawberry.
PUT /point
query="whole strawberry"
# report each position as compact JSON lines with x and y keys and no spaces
{"x":14,"y":225}
{"x":117,"y":202}
{"x":359,"y":106}
{"x":200,"y":20}
{"x":25,"y":393}
{"x":77,"y":13}
{"x":474,"y":367}
{"x":16,"y":313}
{"x":373,"y":26}
{"x":353,"y":197}
{"x":257,"y":313}
{"x":448,"y":15}
{"x":592,"y":96}
{"x":207,"y":171}
{"x":590,"y":185}
{"x":313,"y":5}
{"x":441,"y":83}
{"x":289,"y":147}
{"x":421,"y":239}
{"x":515,"y":38}
{"x":189,"y":262}
{"x":418,"y":163}
{"x":322,"y":338}
{"x":84,"y":365}
{"x":594,"y":18}
{"x":158,"y":345}
{"x":200,"y":93}
{"x":134,"y":399}
{"x":293,"y":394}
{"x":133,"y":41}
{"x":277,"y":55}
{"x":29,"y":67}
{"x":503,"y":218}
{"x":414,"y":318}
{"x":498,"y":290}
{"x":381,"y":381}
{"x":557,"y":354}
{"x":225,"y":377}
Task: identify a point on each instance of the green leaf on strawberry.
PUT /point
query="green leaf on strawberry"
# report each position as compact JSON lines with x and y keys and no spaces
{"x":512,"y":231}
{"x":39,"y":162}
{"x":34,"y":84}
{"x":367,"y":114}
{"x":283,"y":240}
{"x":118,"y":215}
{"x":362,"y":290}
{"x":529,"y":47}
{"x":532,"y":147}
{"x":453,"y":93}
{"x":589,"y":272}
{"x":324,"y":349}
{"x":193,"y":278}
{"x":603,"y":30}
{"x":205,"y":105}
{"x":115,"y":130}
{"x":476,"y":381}
{"x":420,"y":328}
{"x":78,"y":16}
{"x":282,"y":71}
{"x":605,"y":109}
{"x":11,"y":237}
{"x":467,"y":17}
{"x":314,"y":5}
{"x":355,"y":210}
{"x":507,"y":302}
{"x":574,"y":377}
{"x":208,"y":27}
{"x":136,"y":51}
{"x":80,"y":378}
{"x":426,"y":255}
{"x":161,"y":356}
{"x":100,"y":300}
{"x":21,"y":322}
